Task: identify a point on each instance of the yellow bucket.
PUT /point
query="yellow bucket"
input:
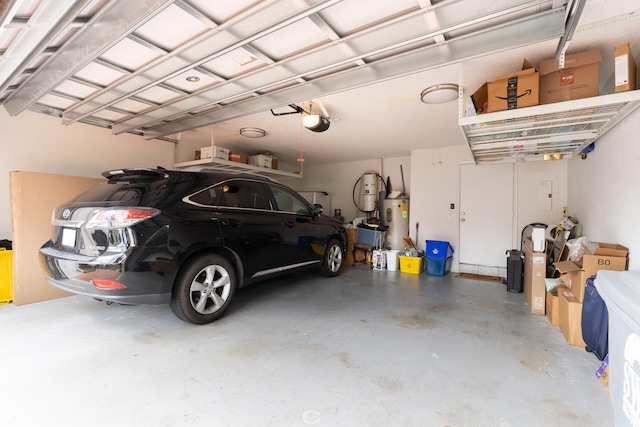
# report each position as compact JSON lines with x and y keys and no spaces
{"x":6,"y":268}
{"x":411,"y":264}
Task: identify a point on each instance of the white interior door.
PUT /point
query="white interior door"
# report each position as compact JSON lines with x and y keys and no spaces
{"x":486,"y":214}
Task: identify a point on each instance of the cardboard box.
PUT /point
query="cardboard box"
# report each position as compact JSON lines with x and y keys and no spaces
{"x":220,"y":153}
{"x":535,"y":272}
{"x":260,"y":160}
{"x":574,"y":277}
{"x":607,"y":256}
{"x":570,"y":310}
{"x":578,"y":79}
{"x":552,"y":308}
{"x":602,"y":262}
{"x":625,"y":69}
{"x":611,"y":249}
{"x":214,"y":152}
{"x":236,"y":156}
{"x":515,"y":90}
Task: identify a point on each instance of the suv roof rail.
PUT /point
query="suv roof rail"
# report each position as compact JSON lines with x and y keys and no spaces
{"x":223,"y":171}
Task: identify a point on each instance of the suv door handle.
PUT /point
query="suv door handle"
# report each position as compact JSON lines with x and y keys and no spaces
{"x":289,"y":224}
{"x":232,"y":222}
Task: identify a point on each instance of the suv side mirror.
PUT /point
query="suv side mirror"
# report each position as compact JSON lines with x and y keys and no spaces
{"x":317,"y":210}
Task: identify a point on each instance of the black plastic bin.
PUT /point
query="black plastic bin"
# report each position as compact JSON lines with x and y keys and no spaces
{"x":515,"y":269}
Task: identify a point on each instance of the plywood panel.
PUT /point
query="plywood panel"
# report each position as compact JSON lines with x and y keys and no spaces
{"x":33,"y":197}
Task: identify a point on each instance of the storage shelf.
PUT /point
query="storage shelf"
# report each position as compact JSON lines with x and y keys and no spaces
{"x":228,"y":165}
{"x":561,"y":129}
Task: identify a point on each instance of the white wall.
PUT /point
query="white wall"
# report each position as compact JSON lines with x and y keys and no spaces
{"x":39,"y":143}
{"x":435,"y":175}
{"x":531,"y":210}
{"x":604,"y":190}
{"x":338,"y":179}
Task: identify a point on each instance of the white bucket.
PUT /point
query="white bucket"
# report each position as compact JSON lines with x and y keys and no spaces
{"x":392,"y":259}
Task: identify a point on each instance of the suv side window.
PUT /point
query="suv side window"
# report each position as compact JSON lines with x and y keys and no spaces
{"x":287,"y":201}
{"x":236,"y":194}
{"x":206,"y":197}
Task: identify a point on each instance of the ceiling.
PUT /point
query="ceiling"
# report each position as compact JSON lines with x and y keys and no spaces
{"x":126,"y":65}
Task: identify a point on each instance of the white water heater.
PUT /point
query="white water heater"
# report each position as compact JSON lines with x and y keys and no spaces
{"x":369,"y":192}
{"x":395,"y":215}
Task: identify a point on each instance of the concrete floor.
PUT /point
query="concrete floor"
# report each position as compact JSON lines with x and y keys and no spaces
{"x":369,"y":348}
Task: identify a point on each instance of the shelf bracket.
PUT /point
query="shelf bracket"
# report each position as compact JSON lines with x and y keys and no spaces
{"x":575,"y":11}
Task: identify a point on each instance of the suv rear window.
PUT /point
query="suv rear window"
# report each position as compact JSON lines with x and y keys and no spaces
{"x":112,"y":192}
{"x":235,"y":193}
{"x":130,"y":190}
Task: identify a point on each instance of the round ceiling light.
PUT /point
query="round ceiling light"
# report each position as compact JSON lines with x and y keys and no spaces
{"x":192,"y":79}
{"x":437,"y":94}
{"x":252,"y":132}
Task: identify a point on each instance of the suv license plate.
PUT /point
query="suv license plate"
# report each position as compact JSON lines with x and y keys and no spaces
{"x":69,"y":237}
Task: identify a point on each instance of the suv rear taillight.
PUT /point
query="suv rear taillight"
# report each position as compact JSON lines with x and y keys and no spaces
{"x":114,"y":218}
{"x":108,"y":284}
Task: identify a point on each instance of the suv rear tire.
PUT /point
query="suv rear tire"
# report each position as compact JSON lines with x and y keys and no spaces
{"x":204,"y":289}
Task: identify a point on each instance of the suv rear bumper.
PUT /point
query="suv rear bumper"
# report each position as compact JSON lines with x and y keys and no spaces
{"x":75,"y":273}
{"x":89,"y":290}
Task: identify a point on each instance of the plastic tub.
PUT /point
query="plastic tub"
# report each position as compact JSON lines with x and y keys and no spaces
{"x":369,"y":237}
{"x":6,"y":267}
{"x":620,"y":290}
{"x":438,"y":266}
{"x":438,"y":249}
{"x":411,"y":264}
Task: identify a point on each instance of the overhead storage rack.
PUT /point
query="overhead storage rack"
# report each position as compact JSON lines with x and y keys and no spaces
{"x":228,"y":165}
{"x":557,"y":130}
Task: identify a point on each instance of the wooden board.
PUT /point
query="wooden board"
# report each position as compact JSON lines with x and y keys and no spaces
{"x":480,"y":277}
{"x":33,"y":197}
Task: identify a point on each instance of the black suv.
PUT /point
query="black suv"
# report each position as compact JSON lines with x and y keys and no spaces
{"x":190,"y":239}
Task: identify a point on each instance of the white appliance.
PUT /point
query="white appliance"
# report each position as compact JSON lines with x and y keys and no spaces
{"x":318,"y":197}
{"x":369,"y":192}
{"x":538,"y":239}
{"x":395,"y":215}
